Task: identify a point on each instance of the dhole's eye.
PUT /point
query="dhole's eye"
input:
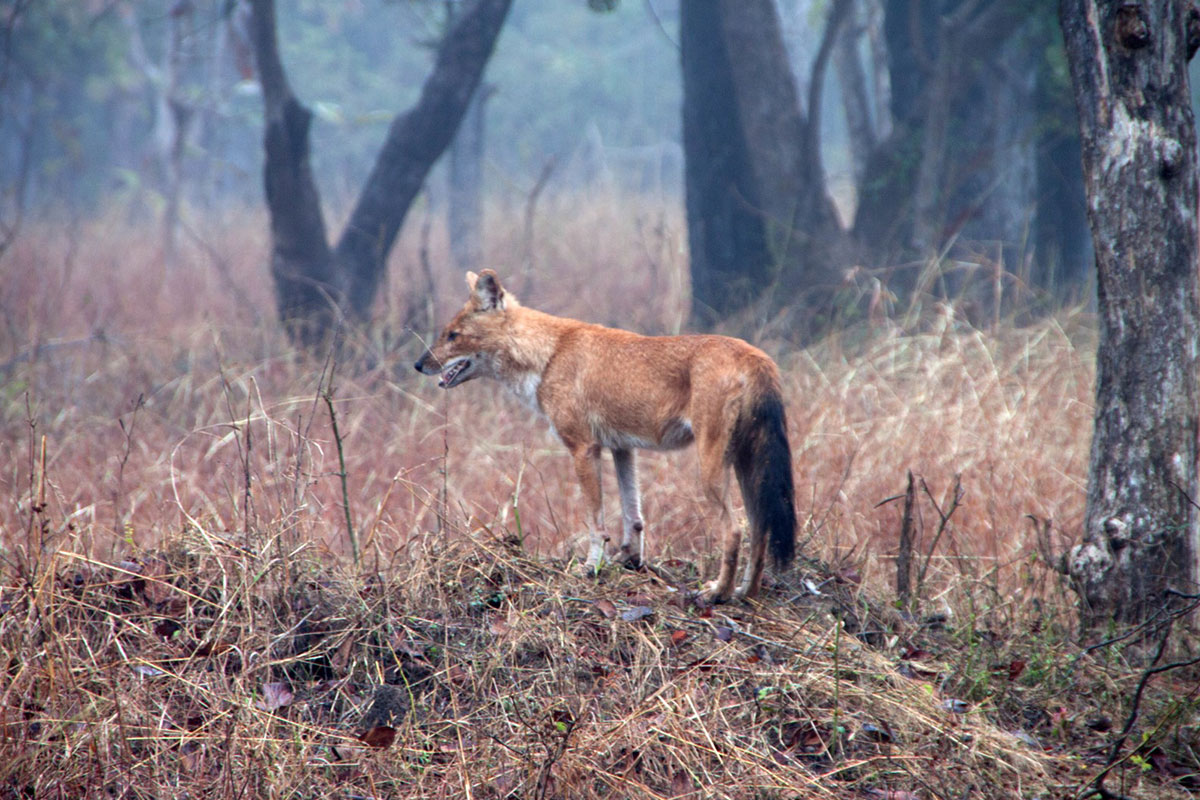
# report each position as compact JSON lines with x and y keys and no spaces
{"x":451,"y":336}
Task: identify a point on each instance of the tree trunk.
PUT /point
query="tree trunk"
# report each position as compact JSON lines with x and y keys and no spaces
{"x":727,"y":236}
{"x":757,"y":208}
{"x":317,"y":286}
{"x":306,"y":292}
{"x":856,"y":102}
{"x":173,"y":112}
{"x":1129,"y":68}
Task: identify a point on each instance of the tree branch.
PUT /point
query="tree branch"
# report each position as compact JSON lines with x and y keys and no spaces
{"x":416,"y":139}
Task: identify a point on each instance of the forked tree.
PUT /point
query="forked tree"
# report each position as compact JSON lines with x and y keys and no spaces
{"x":755,"y":189}
{"x":318,"y":284}
{"x":1128,"y":64}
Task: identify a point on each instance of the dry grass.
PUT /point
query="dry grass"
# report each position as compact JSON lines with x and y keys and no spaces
{"x":180,"y":616}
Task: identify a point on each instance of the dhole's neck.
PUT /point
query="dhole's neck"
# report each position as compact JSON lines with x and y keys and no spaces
{"x":534,"y":338}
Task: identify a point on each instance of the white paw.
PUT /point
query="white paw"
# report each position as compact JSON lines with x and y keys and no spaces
{"x":714,"y":594}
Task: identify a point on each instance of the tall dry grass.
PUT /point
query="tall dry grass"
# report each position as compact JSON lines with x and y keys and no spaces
{"x":156,"y":394}
{"x":180,"y":613}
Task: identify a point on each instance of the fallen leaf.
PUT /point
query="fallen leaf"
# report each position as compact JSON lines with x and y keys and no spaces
{"x":1012,"y":669}
{"x":725,"y":633}
{"x":147,"y":671}
{"x":341,"y":658}
{"x":811,"y":740}
{"x":166,"y":628}
{"x":913,"y":673}
{"x":874,"y":733}
{"x":403,"y":644}
{"x":681,"y":784}
{"x":605,"y":607}
{"x":275,"y":696}
{"x":955,"y":706}
{"x":850,"y":576}
{"x":211,"y":649}
{"x":678,"y":637}
{"x":914,"y":654}
{"x":380,"y":736}
{"x":345,"y":752}
{"x":892,"y":794}
{"x":636,"y":613}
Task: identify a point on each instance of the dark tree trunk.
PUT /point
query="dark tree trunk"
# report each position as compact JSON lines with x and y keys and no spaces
{"x":316,"y":285}
{"x":1129,"y":68}
{"x":306,"y":293}
{"x":727,"y":235}
{"x":757,"y":208}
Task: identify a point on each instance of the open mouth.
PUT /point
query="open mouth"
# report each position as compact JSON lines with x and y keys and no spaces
{"x":451,"y":374}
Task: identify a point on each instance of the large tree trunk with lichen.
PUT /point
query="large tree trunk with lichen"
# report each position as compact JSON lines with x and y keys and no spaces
{"x":1129,"y":68}
{"x":318,"y":285}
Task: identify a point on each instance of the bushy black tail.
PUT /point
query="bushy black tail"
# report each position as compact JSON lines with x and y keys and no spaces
{"x":762,"y":460}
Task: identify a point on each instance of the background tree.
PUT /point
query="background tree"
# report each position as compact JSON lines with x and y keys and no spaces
{"x":983,"y":147}
{"x":755,"y":189}
{"x":316,"y":284}
{"x":960,"y":138}
{"x":1129,"y":67}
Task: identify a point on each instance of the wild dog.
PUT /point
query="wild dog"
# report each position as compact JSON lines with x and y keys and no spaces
{"x":607,"y":388}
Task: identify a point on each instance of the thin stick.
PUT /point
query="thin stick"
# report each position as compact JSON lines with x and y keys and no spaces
{"x":944,"y":520}
{"x":904,"y":554}
{"x":327,"y":396}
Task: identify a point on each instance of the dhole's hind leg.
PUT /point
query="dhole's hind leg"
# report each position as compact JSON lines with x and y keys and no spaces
{"x":587,"y":469}
{"x":715,"y":479}
{"x":632,"y":524}
{"x":752,"y":579}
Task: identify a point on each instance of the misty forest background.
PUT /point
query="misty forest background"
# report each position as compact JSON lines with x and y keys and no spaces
{"x":142,"y":111}
{"x":246,"y":551}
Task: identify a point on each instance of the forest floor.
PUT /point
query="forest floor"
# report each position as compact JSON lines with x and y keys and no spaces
{"x":228,"y":569}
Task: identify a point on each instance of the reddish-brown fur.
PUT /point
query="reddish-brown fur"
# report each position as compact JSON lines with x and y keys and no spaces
{"x":602,"y":387}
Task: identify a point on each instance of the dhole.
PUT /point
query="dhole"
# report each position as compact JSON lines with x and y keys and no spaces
{"x":601,"y":387}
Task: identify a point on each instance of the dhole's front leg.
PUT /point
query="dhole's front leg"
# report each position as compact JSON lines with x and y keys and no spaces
{"x":587,"y":469}
{"x":632,"y":525}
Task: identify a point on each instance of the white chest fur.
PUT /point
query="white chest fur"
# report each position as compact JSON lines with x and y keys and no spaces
{"x":525,"y":387}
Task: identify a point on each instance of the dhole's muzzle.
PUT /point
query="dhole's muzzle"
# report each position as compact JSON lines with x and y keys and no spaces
{"x":453,"y":372}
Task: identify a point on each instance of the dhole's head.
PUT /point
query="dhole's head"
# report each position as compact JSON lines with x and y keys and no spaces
{"x":468,"y":346}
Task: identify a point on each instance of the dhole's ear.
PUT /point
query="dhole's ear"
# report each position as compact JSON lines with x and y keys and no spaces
{"x":471,"y":279}
{"x":486,"y":291}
